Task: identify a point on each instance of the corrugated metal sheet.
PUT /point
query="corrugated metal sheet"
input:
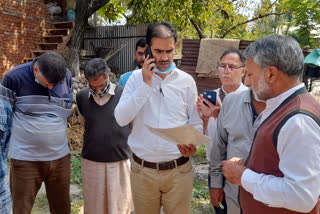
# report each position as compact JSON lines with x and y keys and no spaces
{"x":190,"y":53}
{"x":114,"y":37}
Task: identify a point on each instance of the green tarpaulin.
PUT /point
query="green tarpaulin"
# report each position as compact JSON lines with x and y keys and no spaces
{"x":313,"y":59}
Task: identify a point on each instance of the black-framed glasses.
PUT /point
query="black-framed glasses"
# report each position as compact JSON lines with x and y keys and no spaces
{"x":230,"y":67}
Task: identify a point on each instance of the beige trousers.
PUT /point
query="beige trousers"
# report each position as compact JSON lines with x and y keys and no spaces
{"x":106,"y":187}
{"x":152,"y":188}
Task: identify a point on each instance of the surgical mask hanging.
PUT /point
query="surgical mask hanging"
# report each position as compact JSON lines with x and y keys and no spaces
{"x":104,"y":91}
{"x":36,"y":79}
{"x":172,"y":66}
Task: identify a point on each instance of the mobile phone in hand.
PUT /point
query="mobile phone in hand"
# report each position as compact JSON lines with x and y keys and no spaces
{"x":148,"y":52}
{"x":210,"y":95}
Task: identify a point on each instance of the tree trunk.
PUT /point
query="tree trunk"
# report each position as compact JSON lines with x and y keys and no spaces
{"x":84,"y":9}
{"x":77,"y":35}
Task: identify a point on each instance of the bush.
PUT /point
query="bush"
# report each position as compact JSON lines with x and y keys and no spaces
{"x":76,"y":177}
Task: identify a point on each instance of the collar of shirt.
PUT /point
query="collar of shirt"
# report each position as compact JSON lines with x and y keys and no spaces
{"x":240,"y":88}
{"x":103,"y":100}
{"x":273,"y":103}
{"x":247,"y":97}
{"x":172,"y":74}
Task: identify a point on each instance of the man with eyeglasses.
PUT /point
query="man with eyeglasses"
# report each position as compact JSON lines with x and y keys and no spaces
{"x":282,"y":173}
{"x":105,"y":154}
{"x":235,"y":130}
{"x":231,"y":70}
{"x":41,"y":95}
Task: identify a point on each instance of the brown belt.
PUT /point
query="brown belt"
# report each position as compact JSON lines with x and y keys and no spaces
{"x":163,"y":165}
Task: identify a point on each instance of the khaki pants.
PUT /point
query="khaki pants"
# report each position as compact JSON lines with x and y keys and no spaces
{"x":26,"y":178}
{"x":152,"y":188}
{"x":106,"y":187}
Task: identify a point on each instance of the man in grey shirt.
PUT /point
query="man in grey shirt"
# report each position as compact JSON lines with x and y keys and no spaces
{"x":235,"y":130}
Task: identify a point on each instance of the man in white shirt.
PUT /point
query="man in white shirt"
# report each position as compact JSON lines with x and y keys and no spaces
{"x":161,"y":96}
{"x":231,"y":70}
{"x":282,"y":173}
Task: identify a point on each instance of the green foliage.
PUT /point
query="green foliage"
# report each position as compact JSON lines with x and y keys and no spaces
{"x":230,"y":19}
{"x":200,"y":189}
{"x":76,"y":206}
{"x":76,"y":177}
{"x":200,"y":203}
{"x":302,"y":14}
{"x":209,"y":16}
{"x":200,"y":155}
{"x":112,"y":11}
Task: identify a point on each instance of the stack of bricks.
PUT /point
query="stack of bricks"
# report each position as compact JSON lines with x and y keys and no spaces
{"x":22,"y":24}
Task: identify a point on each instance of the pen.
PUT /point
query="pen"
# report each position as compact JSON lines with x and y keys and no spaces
{"x":161,"y":92}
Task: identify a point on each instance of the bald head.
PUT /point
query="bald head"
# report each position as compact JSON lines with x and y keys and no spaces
{"x":161,"y":29}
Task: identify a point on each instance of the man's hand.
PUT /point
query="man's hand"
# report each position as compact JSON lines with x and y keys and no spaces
{"x":147,"y":73}
{"x":233,"y":170}
{"x":187,"y":151}
{"x":208,"y":111}
{"x":216,"y":196}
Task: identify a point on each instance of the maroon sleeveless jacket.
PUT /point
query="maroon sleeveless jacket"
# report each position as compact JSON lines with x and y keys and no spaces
{"x":264,"y":158}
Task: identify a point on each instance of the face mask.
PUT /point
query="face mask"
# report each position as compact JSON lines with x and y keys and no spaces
{"x":103,"y":92}
{"x":172,"y":66}
{"x":36,"y":79}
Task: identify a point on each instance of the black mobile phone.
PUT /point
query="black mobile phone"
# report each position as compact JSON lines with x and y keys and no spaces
{"x":210,"y":95}
{"x":148,"y":52}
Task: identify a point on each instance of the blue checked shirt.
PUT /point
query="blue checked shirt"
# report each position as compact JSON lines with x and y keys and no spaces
{"x":5,"y":126}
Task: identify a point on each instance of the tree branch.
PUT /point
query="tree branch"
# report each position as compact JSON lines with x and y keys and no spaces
{"x":96,"y":5}
{"x":200,"y":33}
{"x":250,"y":20}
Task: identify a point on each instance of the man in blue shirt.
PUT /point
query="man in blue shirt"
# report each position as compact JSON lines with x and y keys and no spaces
{"x":139,"y":57}
{"x":5,"y":126}
{"x":41,"y":94}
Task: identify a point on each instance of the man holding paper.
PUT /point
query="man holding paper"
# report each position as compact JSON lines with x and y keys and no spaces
{"x":160,"y":96}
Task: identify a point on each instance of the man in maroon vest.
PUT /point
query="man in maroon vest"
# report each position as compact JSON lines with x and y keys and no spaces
{"x":282,"y":173}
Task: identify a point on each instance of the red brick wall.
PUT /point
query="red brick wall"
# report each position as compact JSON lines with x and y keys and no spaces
{"x":22,"y":23}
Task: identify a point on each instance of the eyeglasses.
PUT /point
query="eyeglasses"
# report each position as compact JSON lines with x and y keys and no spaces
{"x":224,"y":67}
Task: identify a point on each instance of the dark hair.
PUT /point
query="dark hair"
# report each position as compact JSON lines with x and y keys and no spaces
{"x":283,"y":52}
{"x":161,"y":29}
{"x":229,"y":51}
{"x":52,"y":66}
{"x":95,"y":67}
{"x":141,"y":43}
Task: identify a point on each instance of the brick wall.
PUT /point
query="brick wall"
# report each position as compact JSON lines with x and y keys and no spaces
{"x":22,"y":23}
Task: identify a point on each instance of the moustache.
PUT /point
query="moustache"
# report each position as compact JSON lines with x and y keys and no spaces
{"x":226,"y":76}
{"x":163,"y":62}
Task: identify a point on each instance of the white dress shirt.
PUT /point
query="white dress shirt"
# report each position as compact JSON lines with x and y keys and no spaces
{"x":212,"y":123}
{"x":169,"y":103}
{"x":299,"y":153}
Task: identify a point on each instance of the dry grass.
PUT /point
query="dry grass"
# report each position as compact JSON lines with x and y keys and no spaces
{"x":75,"y":131}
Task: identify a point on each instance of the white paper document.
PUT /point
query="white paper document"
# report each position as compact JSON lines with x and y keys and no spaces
{"x":181,"y":135}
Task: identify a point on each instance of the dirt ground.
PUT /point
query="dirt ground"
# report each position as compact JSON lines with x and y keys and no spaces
{"x":75,"y":131}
